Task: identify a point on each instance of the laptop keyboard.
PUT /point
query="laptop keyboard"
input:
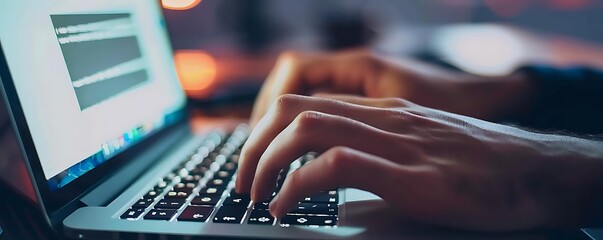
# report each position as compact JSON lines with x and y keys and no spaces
{"x":201,"y":189}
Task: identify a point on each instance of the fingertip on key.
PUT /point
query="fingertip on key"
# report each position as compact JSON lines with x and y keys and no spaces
{"x":273,"y":207}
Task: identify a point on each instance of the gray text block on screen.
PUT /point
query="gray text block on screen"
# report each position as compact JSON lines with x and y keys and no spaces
{"x":101,"y":53}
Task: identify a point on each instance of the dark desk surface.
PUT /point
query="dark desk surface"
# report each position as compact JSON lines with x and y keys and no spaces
{"x":20,"y":219}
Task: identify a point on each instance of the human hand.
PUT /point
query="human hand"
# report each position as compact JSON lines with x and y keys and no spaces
{"x":367,"y":74}
{"x":432,"y":166}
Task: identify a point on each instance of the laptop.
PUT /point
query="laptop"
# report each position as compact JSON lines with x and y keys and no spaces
{"x":96,"y":133}
{"x":106,"y":147}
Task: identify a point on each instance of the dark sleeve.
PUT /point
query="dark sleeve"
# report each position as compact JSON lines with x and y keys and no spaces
{"x":568,"y":99}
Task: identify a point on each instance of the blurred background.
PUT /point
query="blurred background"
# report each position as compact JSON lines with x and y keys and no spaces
{"x":225,"y":48}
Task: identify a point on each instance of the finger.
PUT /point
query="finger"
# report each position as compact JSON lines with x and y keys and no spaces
{"x":283,"y":77}
{"x":296,"y":73}
{"x":317,"y":132}
{"x":341,"y":167}
{"x":287,"y":108}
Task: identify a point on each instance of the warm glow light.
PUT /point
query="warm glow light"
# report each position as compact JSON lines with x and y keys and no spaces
{"x":179,"y":4}
{"x":196,"y":69}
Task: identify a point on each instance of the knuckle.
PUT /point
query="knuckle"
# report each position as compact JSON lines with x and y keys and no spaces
{"x":309,"y":120}
{"x":286,"y":101}
{"x":337,"y":157}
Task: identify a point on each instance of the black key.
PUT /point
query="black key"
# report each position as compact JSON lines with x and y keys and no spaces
{"x":174,"y":194}
{"x":199,"y":171}
{"x":322,"y":198}
{"x":229,"y":167}
{"x":261,"y":205}
{"x":308,"y":220}
{"x":194,"y":179}
{"x":235,"y":157}
{"x":233,"y":193}
{"x":195,"y":214}
{"x":168,"y":203}
{"x":162,"y":184}
{"x":206,"y":162}
{"x":157,"y":214}
{"x":206,"y":199}
{"x":132,"y":213}
{"x":143,"y":203}
{"x":184,"y":187}
{"x":315,"y":208}
{"x":212,"y":190}
{"x":260,"y":217}
{"x":151,"y":195}
{"x":216,"y":183}
{"x":237,"y":201}
{"x":230,"y":214}
{"x":222,"y":175}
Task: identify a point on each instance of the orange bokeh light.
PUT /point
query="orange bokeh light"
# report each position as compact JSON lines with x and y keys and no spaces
{"x":196,"y":69}
{"x":179,"y":4}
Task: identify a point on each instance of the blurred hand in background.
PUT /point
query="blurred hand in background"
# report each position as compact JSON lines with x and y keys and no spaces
{"x":363,"y":73}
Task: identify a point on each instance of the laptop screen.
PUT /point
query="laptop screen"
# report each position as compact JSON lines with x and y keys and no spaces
{"x":92,"y":77}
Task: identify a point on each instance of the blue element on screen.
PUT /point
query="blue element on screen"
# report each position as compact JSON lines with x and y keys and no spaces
{"x":109,"y":150}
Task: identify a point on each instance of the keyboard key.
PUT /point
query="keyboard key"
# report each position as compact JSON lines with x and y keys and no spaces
{"x":229,"y":167}
{"x":222,"y":175}
{"x":212,"y":190}
{"x":162,"y":184}
{"x":308,"y":220}
{"x":230,"y":214}
{"x":184,"y":187}
{"x":132,"y":213}
{"x":261,"y":217}
{"x":151,"y":195}
{"x":261,"y":205}
{"x":157,"y":214}
{"x":322,"y":198}
{"x":174,"y":194}
{"x":315,"y":208}
{"x":142,"y":203}
{"x":195,"y":214}
{"x":167,"y":203}
{"x":199,"y":171}
{"x":206,"y":199}
{"x":216,"y":183}
{"x":237,"y":201}
{"x":233,"y":193}
{"x":194,"y":179}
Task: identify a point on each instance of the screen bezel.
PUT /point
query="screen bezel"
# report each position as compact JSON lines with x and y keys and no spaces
{"x":53,"y":201}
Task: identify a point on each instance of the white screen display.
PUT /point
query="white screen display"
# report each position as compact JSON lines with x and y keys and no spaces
{"x":86,"y":72}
